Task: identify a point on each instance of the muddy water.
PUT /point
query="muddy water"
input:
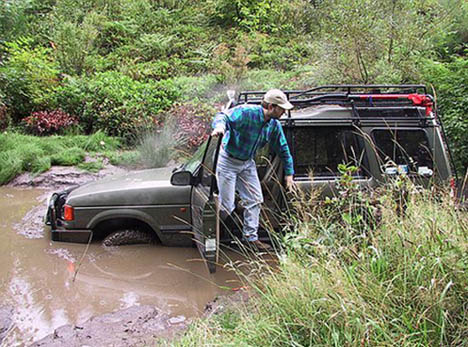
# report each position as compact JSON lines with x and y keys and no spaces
{"x":37,"y":275}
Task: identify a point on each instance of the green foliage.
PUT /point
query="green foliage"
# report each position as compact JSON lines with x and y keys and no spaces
{"x":258,"y":15}
{"x":91,"y":166}
{"x":20,"y":153}
{"x":74,"y":43}
{"x":10,"y":165}
{"x":126,"y":158}
{"x":157,"y":148}
{"x":450,"y":80}
{"x":69,"y":156}
{"x":367,"y":41}
{"x":115,"y":103}
{"x":29,"y":77}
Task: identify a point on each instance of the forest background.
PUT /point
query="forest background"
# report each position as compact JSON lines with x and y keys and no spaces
{"x":127,"y":68}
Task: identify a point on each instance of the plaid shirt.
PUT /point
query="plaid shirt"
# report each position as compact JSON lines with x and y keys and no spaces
{"x":246,"y":131}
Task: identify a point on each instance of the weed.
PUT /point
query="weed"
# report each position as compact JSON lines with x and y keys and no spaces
{"x":91,"y":166}
{"x":156,"y":148}
{"x":69,"y":156}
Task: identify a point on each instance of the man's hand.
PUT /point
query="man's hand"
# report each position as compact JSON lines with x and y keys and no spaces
{"x":290,"y":185}
{"x":218,"y":132}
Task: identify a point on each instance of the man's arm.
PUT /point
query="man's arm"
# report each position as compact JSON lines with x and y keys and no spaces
{"x":219,"y":124}
{"x":280,"y":145}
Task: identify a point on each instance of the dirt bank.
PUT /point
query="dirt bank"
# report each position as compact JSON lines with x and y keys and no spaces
{"x":61,"y":177}
{"x":134,"y":326}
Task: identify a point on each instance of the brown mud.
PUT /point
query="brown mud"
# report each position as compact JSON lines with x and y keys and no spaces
{"x":112,"y":301}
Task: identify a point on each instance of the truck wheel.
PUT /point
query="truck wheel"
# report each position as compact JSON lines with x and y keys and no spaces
{"x":128,"y":237}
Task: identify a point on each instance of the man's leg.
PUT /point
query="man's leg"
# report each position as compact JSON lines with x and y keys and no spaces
{"x":251,"y":196}
{"x":226,"y":174}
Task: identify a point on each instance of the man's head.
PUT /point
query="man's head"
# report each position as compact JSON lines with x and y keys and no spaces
{"x":275,"y":103}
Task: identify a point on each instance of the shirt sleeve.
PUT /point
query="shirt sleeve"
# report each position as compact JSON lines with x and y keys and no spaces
{"x":280,"y":146}
{"x":219,"y":121}
{"x":229,"y":118}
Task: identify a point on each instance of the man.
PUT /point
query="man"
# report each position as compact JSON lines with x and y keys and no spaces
{"x":247,"y":128}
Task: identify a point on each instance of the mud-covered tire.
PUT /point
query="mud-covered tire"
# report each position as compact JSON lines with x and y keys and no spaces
{"x":128,"y":237}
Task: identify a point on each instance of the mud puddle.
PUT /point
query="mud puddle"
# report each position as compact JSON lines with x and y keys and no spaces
{"x":37,"y":276}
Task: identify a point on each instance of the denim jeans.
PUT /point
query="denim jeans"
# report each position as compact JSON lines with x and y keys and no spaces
{"x":237,"y":175}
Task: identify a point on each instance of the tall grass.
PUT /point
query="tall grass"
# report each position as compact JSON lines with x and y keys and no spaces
{"x":402,"y":281}
{"x":157,"y":148}
{"x":23,"y":153}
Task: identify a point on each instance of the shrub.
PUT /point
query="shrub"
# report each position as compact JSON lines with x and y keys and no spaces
{"x":193,"y":124}
{"x":29,"y":77}
{"x":117,"y":104}
{"x":157,"y":148}
{"x":450,"y":80}
{"x":405,"y":284}
{"x":49,"y":122}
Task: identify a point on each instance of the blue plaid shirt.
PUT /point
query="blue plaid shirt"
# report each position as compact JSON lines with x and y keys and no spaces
{"x":246,"y":131}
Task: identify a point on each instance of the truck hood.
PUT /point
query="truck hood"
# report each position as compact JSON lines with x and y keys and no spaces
{"x":141,"y":188}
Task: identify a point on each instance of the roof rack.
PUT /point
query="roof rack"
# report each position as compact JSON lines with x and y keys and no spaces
{"x":345,"y":94}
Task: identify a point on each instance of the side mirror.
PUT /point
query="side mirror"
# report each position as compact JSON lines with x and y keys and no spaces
{"x":182,"y":178}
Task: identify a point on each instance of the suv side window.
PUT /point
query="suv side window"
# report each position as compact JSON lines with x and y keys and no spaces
{"x":403,"y":147}
{"x":319,"y":150}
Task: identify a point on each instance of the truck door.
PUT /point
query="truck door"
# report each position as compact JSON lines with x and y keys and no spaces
{"x":205,"y":206}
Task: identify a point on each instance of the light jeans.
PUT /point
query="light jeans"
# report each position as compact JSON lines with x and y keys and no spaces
{"x":237,"y":175}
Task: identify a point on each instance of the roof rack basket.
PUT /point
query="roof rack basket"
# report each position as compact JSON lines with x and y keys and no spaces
{"x":344,"y":94}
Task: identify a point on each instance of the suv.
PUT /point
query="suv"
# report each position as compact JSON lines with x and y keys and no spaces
{"x":383,"y":130}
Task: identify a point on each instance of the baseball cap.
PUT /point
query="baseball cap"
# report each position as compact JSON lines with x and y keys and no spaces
{"x":277,"y":97}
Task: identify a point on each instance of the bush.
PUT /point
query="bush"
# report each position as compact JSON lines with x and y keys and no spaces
{"x":115,"y":103}
{"x":29,"y":78}
{"x":450,"y":80}
{"x":193,"y":124}
{"x":157,"y":148}
{"x":49,"y":122}
{"x":403,"y":284}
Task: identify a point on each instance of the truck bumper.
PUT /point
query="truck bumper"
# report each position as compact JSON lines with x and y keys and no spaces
{"x":77,"y":236}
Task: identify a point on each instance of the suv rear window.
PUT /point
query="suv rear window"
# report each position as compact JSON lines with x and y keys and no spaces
{"x":403,"y":147}
{"x":319,"y":150}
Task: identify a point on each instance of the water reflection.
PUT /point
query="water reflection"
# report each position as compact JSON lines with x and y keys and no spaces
{"x":50,"y":284}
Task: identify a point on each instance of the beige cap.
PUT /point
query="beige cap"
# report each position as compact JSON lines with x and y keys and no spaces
{"x":277,"y":97}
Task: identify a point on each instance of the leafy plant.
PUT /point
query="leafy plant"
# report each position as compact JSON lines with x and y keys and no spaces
{"x":157,"y":148}
{"x":29,"y":78}
{"x":193,"y":124}
{"x":49,"y":122}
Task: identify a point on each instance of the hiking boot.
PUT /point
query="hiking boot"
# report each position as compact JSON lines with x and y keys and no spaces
{"x":260,"y":245}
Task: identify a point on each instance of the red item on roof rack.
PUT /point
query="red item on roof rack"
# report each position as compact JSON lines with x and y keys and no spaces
{"x":416,"y":99}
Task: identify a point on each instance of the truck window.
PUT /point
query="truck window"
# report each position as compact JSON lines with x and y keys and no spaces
{"x":403,"y":147}
{"x":319,"y":150}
